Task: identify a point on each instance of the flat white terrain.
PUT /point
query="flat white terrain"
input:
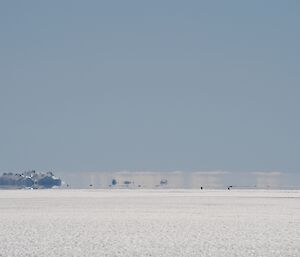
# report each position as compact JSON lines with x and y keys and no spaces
{"x":149,"y":223}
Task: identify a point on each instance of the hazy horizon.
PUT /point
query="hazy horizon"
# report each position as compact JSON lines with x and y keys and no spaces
{"x":182,"y":179}
{"x":111,"y":86}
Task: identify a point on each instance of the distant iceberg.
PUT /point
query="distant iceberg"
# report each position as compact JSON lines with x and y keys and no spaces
{"x":29,"y":179}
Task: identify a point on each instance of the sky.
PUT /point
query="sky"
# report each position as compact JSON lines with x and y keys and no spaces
{"x":150,"y":85}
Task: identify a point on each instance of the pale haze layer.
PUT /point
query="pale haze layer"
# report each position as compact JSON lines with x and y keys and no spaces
{"x":159,"y":85}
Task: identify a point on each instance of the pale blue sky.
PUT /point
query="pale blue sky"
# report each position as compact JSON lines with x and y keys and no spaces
{"x":150,"y":85}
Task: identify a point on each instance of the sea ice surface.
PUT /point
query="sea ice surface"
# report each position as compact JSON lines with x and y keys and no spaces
{"x":173,"y":223}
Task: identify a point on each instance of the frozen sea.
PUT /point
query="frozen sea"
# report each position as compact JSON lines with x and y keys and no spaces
{"x":165,"y":223}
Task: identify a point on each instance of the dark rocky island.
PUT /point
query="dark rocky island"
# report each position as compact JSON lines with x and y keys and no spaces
{"x":29,"y":179}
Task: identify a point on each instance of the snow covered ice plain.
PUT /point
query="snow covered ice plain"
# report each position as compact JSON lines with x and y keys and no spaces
{"x":149,"y":223}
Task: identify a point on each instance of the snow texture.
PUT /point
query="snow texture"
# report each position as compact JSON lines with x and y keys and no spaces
{"x":139,"y":223}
